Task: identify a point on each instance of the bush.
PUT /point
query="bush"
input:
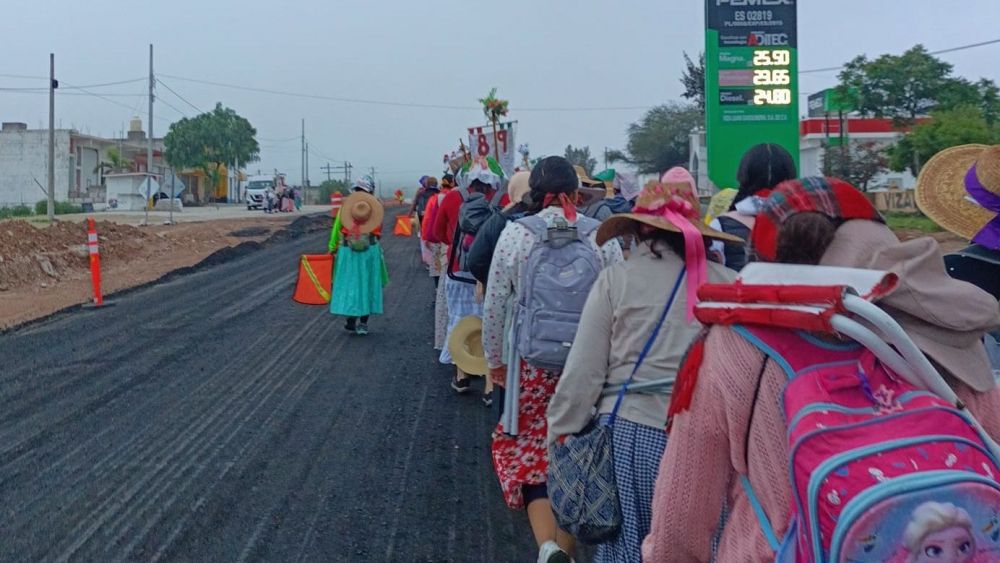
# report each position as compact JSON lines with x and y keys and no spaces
{"x":62,"y":208}
{"x":916,"y":221}
{"x":16,"y":211}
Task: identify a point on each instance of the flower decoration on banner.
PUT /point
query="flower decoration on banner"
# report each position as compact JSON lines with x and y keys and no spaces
{"x":493,"y":107}
{"x":399,"y":195}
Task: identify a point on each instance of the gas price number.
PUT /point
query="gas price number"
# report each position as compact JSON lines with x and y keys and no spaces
{"x":769,"y":77}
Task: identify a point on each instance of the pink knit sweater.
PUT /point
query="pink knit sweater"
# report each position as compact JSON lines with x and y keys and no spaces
{"x":706,"y":449}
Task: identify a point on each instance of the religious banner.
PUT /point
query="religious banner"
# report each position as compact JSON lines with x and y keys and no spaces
{"x":481,"y":144}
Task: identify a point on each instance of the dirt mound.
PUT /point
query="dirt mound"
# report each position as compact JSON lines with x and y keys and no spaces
{"x":31,"y":254}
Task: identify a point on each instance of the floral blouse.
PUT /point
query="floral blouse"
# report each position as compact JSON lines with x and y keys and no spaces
{"x":509,"y":258}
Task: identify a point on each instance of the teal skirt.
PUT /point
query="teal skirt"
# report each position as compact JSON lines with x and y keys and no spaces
{"x":357,"y":282}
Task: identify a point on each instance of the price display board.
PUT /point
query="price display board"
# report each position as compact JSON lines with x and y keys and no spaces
{"x":751,"y":81}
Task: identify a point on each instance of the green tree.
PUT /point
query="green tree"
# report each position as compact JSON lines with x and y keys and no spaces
{"x":693,"y":80}
{"x":858,"y":163}
{"x":581,"y":157}
{"x":945,"y":128}
{"x":220,"y":136}
{"x":115,"y":162}
{"x":899,"y":87}
{"x":661,"y":139}
{"x":332,"y":186}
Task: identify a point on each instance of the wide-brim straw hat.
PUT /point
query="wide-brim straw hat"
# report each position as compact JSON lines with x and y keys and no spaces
{"x":585,"y":180}
{"x":654,"y":197}
{"x":466,"y":346}
{"x":941,"y":188}
{"x":362,"y":212}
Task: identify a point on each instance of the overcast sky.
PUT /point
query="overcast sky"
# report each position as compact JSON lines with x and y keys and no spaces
{"x":539,"y":53}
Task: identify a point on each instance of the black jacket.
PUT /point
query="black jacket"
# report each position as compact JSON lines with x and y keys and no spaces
{"x":481,"y":252}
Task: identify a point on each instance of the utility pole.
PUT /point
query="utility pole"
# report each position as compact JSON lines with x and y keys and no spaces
{"x":373,"y":182}
{"x":149,"y":140}
{"x":328,"y":169}
{"x":305,"y":181}
{"x":52,"y":138}
{"x":303,"y":152}
{"x":348,"y":165}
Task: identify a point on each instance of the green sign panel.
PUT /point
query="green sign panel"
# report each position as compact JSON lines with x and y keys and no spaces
{"x":751,"y":81}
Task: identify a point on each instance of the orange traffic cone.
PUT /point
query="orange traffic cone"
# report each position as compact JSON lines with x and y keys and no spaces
{"x":315,"y":279}
{"x":404,"y":226}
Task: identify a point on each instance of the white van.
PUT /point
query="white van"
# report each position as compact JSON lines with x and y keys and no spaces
{"x":255,"y":188}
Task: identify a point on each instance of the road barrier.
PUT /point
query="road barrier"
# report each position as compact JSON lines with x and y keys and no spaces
{"x":404,"y":226}
{"x":95,"y":262}
{"x":336,"y":200}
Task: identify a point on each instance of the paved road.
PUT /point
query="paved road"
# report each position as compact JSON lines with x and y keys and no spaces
{"x":210,"y":418}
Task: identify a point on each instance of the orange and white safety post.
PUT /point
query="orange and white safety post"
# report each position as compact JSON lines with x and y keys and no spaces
{"x":336,"y":200}
{"x":95,"y":262}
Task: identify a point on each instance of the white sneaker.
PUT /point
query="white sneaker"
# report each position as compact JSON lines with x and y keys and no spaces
{"x":550,"y":552}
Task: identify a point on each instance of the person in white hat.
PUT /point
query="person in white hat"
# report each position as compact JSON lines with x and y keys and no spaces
{"x":359,"y":271}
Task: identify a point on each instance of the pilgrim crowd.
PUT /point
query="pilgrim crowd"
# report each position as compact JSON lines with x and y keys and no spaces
{"x":622,"y":419}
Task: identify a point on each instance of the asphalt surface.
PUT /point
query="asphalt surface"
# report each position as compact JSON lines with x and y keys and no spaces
{"x":211,"y":418}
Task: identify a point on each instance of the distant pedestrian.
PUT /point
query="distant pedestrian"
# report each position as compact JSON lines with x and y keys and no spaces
{"x":359,"y":272}
{"x":298,"y":199}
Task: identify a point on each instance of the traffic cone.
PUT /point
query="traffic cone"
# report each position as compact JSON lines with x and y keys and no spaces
{"x":95,"y":262}
{"x":315,"y":279}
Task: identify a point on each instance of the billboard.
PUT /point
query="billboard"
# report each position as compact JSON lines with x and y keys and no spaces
{"x":751,"y":81}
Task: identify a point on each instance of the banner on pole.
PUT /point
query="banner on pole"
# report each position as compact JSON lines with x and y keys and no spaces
{"x":481,"y":144}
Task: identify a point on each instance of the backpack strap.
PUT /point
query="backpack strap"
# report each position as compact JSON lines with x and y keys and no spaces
{"x":535,"y":224}
{"x":758,"y":509}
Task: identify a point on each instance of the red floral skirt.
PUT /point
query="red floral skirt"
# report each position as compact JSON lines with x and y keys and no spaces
{"x":523,"y":459}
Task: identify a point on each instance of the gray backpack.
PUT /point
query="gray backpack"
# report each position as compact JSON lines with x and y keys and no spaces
{"x":561,"y":268}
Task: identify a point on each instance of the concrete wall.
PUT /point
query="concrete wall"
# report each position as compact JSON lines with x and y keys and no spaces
{"x":24,"y":159}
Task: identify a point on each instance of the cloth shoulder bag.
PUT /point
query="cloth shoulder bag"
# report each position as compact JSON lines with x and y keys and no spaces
{"x":581,"y":480}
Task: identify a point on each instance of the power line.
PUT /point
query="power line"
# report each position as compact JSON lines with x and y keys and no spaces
{"x":939,"y":52}
{"x":182,"y":98}
{"x":385,"y":102}
{"x":169,"y":105}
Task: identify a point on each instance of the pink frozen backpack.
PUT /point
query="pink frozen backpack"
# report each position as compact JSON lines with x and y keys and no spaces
{"x":885,"y":463}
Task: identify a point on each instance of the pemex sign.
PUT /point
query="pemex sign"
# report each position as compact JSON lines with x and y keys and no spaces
{"x":751,"y":81}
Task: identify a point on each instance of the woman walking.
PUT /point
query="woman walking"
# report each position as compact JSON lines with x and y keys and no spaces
{"x":728,"y":435}
{"x":520,"y":455}
{"x":359,"y":272}
{"x":623,"y":315}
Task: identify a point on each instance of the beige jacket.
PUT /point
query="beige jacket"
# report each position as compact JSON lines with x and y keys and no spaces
{"x":620,"y":315}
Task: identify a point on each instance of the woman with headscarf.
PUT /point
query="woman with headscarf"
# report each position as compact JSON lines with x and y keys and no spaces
{"x":481,"y":178}
{"x":762,"y":167}
{"x":439,"y":260}
{"x":631,"y":308}
{"x":712,"y":444}
{"x":359,"y":271}
{"x":520,"y":452}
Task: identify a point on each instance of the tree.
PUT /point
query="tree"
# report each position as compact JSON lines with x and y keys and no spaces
{"x":115,"y":163}
{"x":693,"y":80}
{"x":661,"y":139}
{"x":945,"y":128}
{"x":857,"y":163}
{"x":220,"y":136}
{"x":899,"y":87}
{"x":332,"y":186}
{"x":581,"y":157}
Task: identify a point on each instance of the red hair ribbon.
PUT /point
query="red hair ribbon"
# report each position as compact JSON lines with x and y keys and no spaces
{"x":565,"y":202}
{"x":678,"y":211}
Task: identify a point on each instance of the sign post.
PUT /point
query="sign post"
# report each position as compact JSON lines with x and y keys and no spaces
{"x":751,"y":81}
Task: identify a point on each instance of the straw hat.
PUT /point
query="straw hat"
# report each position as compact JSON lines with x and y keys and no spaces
{"x":362,"y":212}
{"x":652,"y":200}
{"x":466,"y":346}
{"x":517,"y":188}
{"x":943,"y":190}
{"x":585,"y":180}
